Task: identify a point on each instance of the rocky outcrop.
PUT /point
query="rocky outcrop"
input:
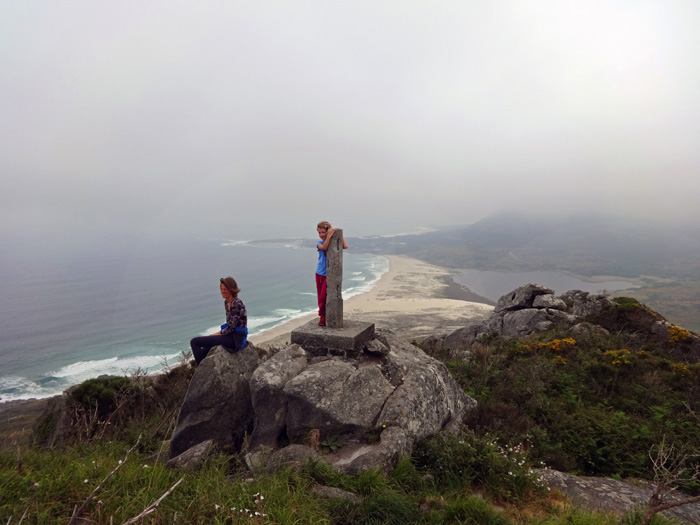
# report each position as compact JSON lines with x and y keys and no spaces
{"x":533,"y":308}
{"x":217,"y":405}
{"x":530,"y":309}
{"x":360,"y":412}
{"x":610,"y":495}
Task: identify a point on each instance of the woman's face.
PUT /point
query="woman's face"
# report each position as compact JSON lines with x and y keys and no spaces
{"x":225,"y":293}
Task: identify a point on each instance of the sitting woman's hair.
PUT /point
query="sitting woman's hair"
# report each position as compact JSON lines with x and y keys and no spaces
{"x":231,"y":285}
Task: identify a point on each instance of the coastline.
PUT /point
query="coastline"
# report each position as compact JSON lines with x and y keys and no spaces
{"x":413,"y":298}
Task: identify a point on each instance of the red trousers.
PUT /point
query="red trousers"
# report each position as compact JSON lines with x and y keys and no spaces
{"x":321,"y":292}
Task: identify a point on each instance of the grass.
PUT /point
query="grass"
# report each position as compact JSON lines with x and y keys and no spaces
{"x":431,"y":487}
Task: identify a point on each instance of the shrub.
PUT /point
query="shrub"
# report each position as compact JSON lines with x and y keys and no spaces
{"x":100,"y":393}
{"x":465,"y":460}
{"x":588,"y":405}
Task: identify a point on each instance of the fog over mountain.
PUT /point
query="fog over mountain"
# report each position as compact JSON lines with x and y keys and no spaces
{"x":249,"y":119}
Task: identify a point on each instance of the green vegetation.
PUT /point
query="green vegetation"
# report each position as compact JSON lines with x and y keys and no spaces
{"x":593,"y":404}
{"x":46,"y":485}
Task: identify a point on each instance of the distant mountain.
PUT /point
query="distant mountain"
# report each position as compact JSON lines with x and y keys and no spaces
{"x":582,"y":244}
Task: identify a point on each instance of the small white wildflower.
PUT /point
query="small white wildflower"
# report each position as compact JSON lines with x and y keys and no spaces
{"x":262,"y":498}
{"x":120,"y":462}
{"x":85,"y":480}
{"x":217,"y":507}
{"x":256,"y":494}
{"x":36,"y":484}
{"x":145,"y":466}
{"x":510,"y":473}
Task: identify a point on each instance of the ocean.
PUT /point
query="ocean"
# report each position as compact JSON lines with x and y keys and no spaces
{"x":76,"y":311}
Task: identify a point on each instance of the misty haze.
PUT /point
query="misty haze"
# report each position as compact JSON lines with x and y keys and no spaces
{"x":513,"y":305}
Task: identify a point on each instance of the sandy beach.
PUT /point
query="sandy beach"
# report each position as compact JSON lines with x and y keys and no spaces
{"x":409,"y":299}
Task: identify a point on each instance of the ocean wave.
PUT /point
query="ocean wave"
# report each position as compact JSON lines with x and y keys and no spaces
{"x":255,"y":322}
{"x":287,"y":312}
{"x":13,"y":388}
{"x":235,"y":243}
{"x":80,"y":367}
{"x":377,"y":268}
{"x":57,"y":381}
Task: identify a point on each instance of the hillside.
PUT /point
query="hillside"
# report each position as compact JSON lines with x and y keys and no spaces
{"x":601,"y":403}
{"x":663,"y":259}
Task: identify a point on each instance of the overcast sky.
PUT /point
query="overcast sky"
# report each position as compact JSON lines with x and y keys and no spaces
{"x":234,"y":119}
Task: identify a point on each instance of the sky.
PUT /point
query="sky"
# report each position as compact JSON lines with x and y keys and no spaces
{"x":249,"y":119}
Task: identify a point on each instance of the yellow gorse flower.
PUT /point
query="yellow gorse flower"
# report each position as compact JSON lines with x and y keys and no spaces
{"x":555,"y":344}
{"x":619,"y":357}
{"x":677,"y":334}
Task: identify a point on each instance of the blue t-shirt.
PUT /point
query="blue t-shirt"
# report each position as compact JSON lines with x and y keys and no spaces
{"x":321,"y":267}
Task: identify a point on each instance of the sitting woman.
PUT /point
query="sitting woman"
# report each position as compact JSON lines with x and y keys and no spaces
{"x":233,"y":334}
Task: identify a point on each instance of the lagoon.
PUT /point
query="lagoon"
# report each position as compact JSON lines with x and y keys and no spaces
{"x":493,"y":284}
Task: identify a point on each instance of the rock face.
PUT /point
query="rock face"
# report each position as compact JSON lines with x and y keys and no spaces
{"x":529,"y":309}
{"x":217,"y":405}
{"x":610,"y":495}
{"x":363,"y":412}
{"x":533,"y":308}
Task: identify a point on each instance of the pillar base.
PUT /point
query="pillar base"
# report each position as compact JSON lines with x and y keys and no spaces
{"x":348,"y":341}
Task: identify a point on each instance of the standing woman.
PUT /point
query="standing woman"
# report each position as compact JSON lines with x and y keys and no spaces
{"x":233,"y":334}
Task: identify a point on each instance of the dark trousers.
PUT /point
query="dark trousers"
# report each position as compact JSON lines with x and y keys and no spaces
{"x":202,"y":345}
{"x":321,"y":291}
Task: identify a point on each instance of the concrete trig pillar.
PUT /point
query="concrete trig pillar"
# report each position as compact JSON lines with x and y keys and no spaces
{"x":334,"y":281}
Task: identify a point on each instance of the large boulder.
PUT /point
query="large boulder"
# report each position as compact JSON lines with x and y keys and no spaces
{"x":361,"y":412}
{"x":217,"y":405}
{"x":268,"y":402}
{"x":522,"y":297}
{"x":584,"y":304}
{"x":426,"y":399}
{"x":337,"y":396}
{"x":518,"y":323}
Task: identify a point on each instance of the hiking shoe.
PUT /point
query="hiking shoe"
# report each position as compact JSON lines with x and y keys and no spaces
{"x":322,"y":322}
